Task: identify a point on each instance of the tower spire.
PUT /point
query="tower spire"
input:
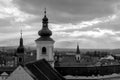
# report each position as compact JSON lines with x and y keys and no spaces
{"x":78,"y":50}
{"x":20,"y":51}
{"x":21,"y":40}
{"x":20,"y":48}
{"x":45,"y":31}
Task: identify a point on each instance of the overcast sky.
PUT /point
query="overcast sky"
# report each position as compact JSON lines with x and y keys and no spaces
{"x":91,"y":23}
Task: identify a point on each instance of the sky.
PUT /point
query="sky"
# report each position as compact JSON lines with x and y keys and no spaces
{"x":89,"y":23}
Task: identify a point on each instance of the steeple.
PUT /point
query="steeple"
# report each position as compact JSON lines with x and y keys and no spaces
{"x":78,"y":50}
{"x":20,"y":52}
{"x":45,"y":31}
{"x":20,"y":49}
{"x":78,"y":56}
{"x":21,"y":40}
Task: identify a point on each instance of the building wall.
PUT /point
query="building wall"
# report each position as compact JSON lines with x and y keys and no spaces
{"x":89,"y":71}
{"x":49,"y":46}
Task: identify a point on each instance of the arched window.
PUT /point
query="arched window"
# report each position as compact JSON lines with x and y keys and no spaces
{"x":44,"y":50}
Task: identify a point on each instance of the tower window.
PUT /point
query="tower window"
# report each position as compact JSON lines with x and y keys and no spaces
{"x":20,"y":59}
{"x":43,"y":50}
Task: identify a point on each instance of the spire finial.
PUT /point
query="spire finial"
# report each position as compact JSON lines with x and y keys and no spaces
{"x":21,"y":33}
{"x":45,"y":12}
{"x":77,"y":44}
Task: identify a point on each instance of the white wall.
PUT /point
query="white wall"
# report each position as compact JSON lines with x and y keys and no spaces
{"x":49,"y":46}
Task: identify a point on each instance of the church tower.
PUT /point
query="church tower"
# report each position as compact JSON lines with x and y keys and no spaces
{"x":45,"y":44}
{"x":77,"y":55}
{"x":20,"y":52}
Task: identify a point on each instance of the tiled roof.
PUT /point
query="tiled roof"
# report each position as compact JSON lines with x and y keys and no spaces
{"x":42,"y":70}
{"x":70,"y":61}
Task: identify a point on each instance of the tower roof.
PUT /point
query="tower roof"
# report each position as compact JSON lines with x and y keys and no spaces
{"x":78,"y":50}
{"x":45,"y":31}
{"x":20,"y":49}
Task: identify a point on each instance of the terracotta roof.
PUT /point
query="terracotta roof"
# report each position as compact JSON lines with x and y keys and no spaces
{"x":42,"y":70}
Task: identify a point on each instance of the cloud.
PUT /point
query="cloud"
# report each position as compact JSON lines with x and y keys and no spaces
{"x":94,"y":23}
{"x":8,"y":9}
{"x":67,"y":10}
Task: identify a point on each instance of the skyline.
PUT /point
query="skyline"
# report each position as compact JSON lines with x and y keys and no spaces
{"x":91,"y":23}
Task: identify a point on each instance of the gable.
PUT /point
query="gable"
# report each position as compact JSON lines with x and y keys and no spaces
{"x":4,"y":74}
{"x":19,"y":74}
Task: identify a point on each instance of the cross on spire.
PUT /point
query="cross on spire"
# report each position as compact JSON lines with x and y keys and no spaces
{"x":45,"y":12}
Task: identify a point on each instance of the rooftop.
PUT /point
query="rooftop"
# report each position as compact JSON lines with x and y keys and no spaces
{"x":42,"y":70}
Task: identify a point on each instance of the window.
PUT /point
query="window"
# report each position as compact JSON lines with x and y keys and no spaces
{"x":43,"y":50}
{"x":20,"y":59}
